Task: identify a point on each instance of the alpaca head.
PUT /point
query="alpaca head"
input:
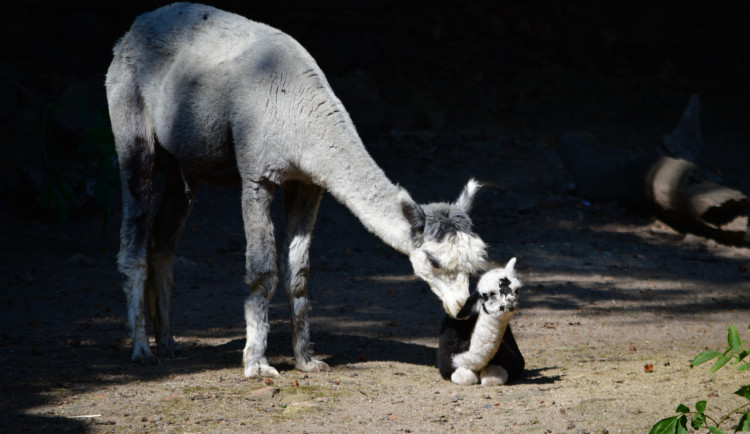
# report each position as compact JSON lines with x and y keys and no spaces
{"x":446,"y":251}
{"x":496,"y":294}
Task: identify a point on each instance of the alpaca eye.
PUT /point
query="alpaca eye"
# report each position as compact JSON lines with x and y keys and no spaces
{"x":486,"y":297}
{"x":433,"y":261}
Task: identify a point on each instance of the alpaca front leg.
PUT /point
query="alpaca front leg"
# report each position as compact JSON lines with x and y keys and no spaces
{"x":493,"y":375}
{"x":256,"y":318}
{"x":464,"y":377}
{"x":260,"y":265}
{"x":301,"y":206}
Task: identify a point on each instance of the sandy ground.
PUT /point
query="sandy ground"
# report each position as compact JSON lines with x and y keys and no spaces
{"x":607,"y":292}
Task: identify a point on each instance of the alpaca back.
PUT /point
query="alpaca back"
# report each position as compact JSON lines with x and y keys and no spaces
{"x":216,"y":86}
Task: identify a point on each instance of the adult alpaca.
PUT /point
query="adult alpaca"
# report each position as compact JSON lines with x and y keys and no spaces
{"x":207,"y":95}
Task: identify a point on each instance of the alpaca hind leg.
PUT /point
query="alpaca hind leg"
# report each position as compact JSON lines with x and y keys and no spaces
{"x":137,"y":197}
{"x":262,"y":275}
{"x":176,"y":204}
{"x":134,"y":141}
{"x":301,"y":202}
{"x":493,"y":375}
{"x":464,"y":377}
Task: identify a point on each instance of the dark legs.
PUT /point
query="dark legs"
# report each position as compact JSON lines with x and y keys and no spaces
{"x":177,"y":202}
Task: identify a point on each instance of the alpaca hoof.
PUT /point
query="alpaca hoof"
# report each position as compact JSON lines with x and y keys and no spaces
{"x":464,"y":377}
{"x":314,"y":365}
{"x":494,"y":375}
{"x":260,"y":370}
{"x":169,"y":349}
{"x":144,"y":356}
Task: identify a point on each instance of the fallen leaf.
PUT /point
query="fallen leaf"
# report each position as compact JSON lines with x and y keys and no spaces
{"x":262,"y":393}
{"x":268,"y":381}
{"x":295,"y":383}
{"x":648,"y":367}
{"x":633,"y":348}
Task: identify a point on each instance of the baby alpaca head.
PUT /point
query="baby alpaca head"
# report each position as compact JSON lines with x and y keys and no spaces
{"x":496,"y":294}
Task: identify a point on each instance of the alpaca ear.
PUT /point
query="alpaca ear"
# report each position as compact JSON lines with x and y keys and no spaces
{"x":414,"y":215}
{"x":466,"y":199}
{"x":510,"y":268}
{"x":471,"y":306}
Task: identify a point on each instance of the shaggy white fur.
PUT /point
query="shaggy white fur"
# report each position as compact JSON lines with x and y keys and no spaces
{"x":214,"y":97}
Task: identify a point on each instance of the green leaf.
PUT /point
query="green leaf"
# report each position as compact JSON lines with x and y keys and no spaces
{"x":670,"y":425}
{"x":744,"y":392}
{"x":704,"y":357}
{"x":682,"y":408}
{"x":715,"y":430}
{"x":719,"y":363}
{"x":743,"y":367}
{"x":66,"y":191}
{"x":698,"y":421}
{"x":733,"y":337}
{"x":700,"y":406}
{"x":744,"y":423}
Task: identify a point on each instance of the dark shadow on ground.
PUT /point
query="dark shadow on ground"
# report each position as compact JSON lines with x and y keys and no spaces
{"x":536,"y":376}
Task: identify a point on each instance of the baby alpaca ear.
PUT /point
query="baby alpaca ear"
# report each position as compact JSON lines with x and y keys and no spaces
{"x":471,"y":306}
{"x":510,"y":268}
{"x":466,"y":200}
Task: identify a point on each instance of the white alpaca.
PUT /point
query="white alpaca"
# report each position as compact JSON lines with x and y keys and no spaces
{"x":206,"y":95}
{"x":470,"y":345}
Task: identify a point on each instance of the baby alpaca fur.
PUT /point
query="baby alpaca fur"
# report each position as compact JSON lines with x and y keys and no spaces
{"x":200,"y":94}
{"x":478,"y":345}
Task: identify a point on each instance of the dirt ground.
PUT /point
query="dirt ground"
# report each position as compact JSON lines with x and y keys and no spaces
{"x":607,"y":291}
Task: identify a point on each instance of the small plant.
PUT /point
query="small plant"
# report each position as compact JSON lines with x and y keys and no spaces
{"x":56,"y":194}
{"x":698,"y":418}
{"x":103,"y":178}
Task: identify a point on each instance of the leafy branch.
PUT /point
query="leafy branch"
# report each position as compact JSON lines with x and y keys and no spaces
{"x":698,"y":418}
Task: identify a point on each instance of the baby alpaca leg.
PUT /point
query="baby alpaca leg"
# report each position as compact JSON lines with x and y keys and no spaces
{"x":464,"y":377}
{"x":493,"y":375}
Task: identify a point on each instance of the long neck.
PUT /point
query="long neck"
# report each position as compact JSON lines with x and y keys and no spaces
{"x":342,"y":165}
{"x":491,"y":329}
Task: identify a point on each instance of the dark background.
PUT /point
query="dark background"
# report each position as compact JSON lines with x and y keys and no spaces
{"x":482,"y":88}
{"x":401,"y":65}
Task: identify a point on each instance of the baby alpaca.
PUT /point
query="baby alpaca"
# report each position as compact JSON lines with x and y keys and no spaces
{"x":478,"y":345}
